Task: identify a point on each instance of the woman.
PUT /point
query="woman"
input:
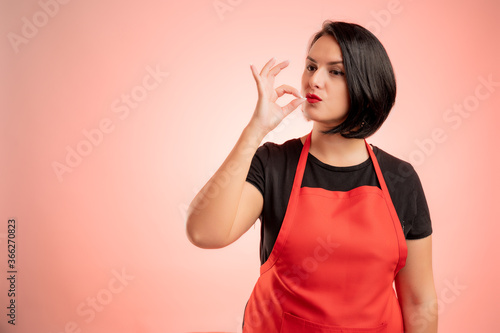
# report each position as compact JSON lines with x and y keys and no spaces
{"x":341,"y":220}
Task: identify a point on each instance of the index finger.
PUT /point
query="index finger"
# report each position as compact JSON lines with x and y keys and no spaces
{"x":285,"y":88}
{"x":276,"y":69}
{"x":266,"y":67}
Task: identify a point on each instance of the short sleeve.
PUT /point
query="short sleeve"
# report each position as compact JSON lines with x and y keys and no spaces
{"x":407,"y":195}
{"x":421,"y":225}
{"x":256,"y":173}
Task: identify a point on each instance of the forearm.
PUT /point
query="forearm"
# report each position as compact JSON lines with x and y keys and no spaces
{"x":420,"y":317}
{"x":212,"y":211}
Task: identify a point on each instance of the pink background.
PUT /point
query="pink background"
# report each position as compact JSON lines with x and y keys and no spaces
{"x":121,"y":209}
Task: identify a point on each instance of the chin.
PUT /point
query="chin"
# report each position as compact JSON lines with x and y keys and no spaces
{"x":333,"y":118}
{"x":306,"y":116}
{"x":330,"y":122}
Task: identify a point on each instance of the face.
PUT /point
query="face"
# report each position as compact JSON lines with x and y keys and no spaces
{"x":324,"y":76}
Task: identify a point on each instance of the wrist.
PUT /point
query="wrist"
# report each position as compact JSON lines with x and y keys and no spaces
{"x":256,"y":131}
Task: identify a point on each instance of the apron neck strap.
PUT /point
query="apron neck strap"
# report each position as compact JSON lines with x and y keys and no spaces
{"x":297,"y":183}
{"x":303,"y":159}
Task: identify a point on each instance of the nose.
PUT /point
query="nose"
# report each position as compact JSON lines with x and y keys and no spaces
{"x":316,"y":79}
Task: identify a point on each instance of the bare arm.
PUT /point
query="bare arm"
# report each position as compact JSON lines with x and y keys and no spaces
{"x":227,"y":206}
{"x":213,"y":210}
{"x":415,"y":288}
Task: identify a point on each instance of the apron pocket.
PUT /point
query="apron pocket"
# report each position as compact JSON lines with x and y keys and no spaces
{"x":294,"y":324}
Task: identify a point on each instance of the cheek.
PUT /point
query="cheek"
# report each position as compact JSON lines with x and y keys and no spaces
{"x":342,"y":94}
{"x":346,"y":96}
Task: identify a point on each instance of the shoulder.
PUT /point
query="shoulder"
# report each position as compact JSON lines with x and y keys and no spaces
{"x":407,"y":194}
{"x":291,"y":144}
{"x":389,"y":162}
{"x":271,"y":165}
{"x":397,"y":172}
{"x":271,"y":152}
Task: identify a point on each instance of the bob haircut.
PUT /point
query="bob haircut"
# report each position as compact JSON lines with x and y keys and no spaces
{"x":370,"y":78}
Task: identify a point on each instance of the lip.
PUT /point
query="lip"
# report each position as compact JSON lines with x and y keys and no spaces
{"x":311,"y":98}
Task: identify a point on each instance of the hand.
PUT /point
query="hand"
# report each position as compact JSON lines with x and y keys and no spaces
{"x":268,"y":114}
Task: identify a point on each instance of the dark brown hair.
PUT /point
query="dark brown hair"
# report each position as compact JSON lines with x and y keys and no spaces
{"x":370,"y":78}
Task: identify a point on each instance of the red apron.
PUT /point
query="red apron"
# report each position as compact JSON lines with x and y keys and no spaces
{"x":333,"y":264}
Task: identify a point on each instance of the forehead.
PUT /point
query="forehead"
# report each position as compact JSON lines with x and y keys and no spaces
{"x":326,"y":49}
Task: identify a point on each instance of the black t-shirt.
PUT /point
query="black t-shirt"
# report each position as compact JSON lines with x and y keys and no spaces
{"x":273,"y":169}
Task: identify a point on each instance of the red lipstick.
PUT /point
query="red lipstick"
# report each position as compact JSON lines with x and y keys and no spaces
{"x":311,"y":98}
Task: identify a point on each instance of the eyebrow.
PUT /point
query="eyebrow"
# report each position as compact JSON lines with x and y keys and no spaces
{"x":330,"y":63}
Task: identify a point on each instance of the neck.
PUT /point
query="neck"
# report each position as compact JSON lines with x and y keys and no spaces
{"x":336,"y":150}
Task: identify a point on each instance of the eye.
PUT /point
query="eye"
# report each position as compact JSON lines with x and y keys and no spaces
{"x":336,"y":72}
{"x":310,"y":68}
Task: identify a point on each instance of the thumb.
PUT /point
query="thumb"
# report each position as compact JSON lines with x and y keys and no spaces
{"x":287,"y":109}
